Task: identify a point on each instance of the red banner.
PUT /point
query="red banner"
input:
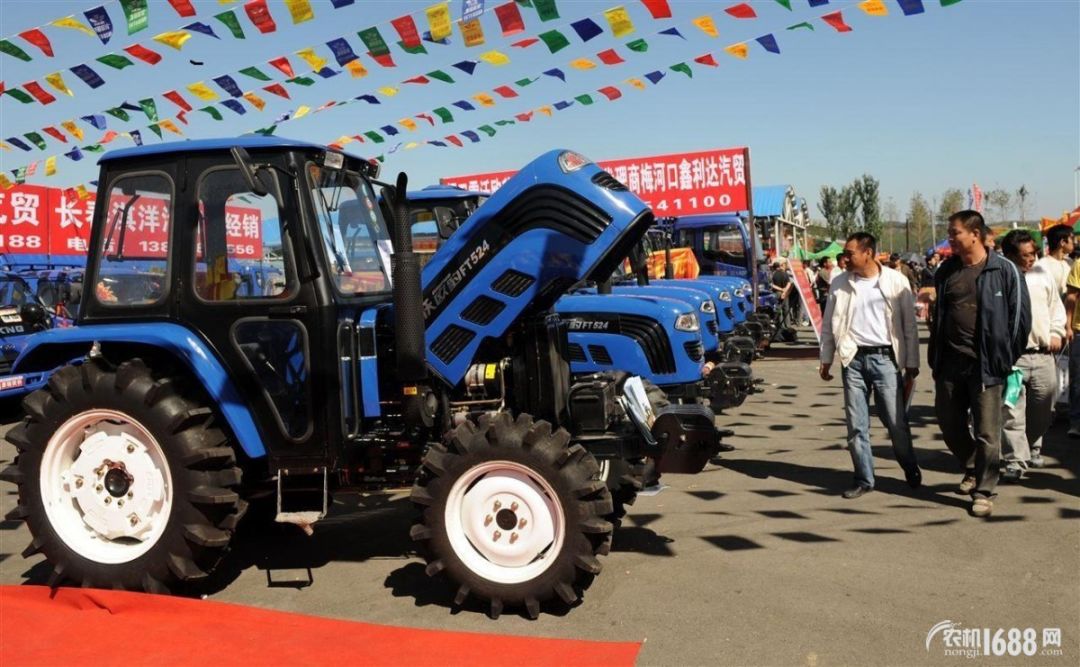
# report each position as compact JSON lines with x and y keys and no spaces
{"x":678,"y":184}
{"x":806,"y":294}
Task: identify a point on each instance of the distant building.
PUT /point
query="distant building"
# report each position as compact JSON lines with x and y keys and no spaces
{"x":781,"y":218}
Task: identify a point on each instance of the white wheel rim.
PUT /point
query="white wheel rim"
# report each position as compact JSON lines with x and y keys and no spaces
{"x":106,"y":486}
{"x":605,"y":469}
{"x":482,"y":505}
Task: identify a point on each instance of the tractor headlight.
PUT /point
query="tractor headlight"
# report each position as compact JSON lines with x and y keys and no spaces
{"x":687,"y":322}
{"x":569,"y":161}
{"x":707,"y":306}
{"x":725,"y":296}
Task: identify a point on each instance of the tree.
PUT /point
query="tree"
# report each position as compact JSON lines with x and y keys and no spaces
{"x":830,"y":209}
{"x":919,"y":223}
{"x":848,"y":209}
{"x":1021,"y":203}
{"x":952,"y":200}
{"x":870,"y":202}
{"x":1002,"y":201}
{"x":892,"y":218}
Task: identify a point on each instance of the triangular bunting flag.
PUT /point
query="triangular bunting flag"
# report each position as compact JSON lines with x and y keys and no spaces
{"x":586,"y":29}
{"x":259,"y":14}
{"x":175,"y":39}
{"x":299,"y":10}
{"x":836,"y":20}
{"x":496,"y":58}
{"x":741,"y":11}
{"x":707,"y":25}
{"x":874,"y":7}
{"x":232,"y":23}
{"x":610,"y":92}
{"x":707,"y":59}
{"x":683,"y":68}
{"x":739,"y":50}
{"x":768,"y":42}
{"x":142,"y":53}
{"x":37,"y":38}
{"x":610,"y":57}
{"x":911,"y":7}
{"x":56,"y":80}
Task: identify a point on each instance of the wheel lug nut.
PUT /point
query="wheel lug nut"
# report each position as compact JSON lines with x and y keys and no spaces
{"x":496,"y":536}
{"x":513,"y":537}
{"x":487,"y":521}
{"x":108,"y":500}
{"x":521,"y":524}
{"x":78,"y":483}
{"x":120,"y":503}
{"x":131,"y":494}
{"x":497,"y":505}
{"x":513,"y":507}
{"x":130,"y":449}
{"x":99,"y":488}
{"x":134,"y":520}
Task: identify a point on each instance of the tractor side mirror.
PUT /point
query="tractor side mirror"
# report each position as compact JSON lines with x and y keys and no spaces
{"x":446,"y":220}
{"x":257,"y":177}
{"x":34,"y":316}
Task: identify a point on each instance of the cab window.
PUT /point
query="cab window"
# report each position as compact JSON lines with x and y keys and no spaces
{"x":135,"y":246}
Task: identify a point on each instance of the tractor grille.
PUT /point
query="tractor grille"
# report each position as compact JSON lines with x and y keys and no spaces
{"x":695,"y":349}
{"x":451,"y":342}
{"x":576,"y":353}
{"x":606,"y":180}
{"x":729,"y":312}
{"x":600,"y":355}
{"x":483,"y":310}
{"x":653,"y":340}
{"x":512,"y":283}
{"x":554,"y":208}
{"x":714,"y":326}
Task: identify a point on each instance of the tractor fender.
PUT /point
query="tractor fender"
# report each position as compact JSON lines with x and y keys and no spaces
{"x":48,"y":349}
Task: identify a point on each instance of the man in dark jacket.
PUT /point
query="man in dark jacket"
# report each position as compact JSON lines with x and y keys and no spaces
{"x":981,"y":325}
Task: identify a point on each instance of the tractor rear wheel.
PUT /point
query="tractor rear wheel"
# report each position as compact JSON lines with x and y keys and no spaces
{"x":124,"y":482}
{"x":512,"y":514}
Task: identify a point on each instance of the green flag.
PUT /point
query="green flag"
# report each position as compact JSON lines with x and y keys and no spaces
{"x":36,"y":139}
{"x":118,"y":113}
{"x":301,"y":81}
{"x":20,"y":95}
{"x":416,"y":50}
{"x":555,"y":40}
{"x":94,"y":148}
{"x":230,"y":21}
{"x":155,"y":129}
{"x":444,"y":114}
{"x":374,"y":136}
{"x":487,"y":129}
{"x":12,"y":50}
{"x":255,"y":73}
{"x":804,"y":24}
{"x":546,"y":9}
{"x":521,"y":83}
{"x":213,"y":111}
{"x":20,"y":174}
{"x":786,"y":4}
{"x":684,"y":68}
{"x":137,"y":15}
{"x":441,"y":76}
{"x":115,"y":61}
{"x":584,"y":99}
{"x":374,"y":41}
{"x":266,"y":131}
{"x":504,"y":123}
{"x":946,"y":3}
{"x":639,"y":45}
{"x":149,"y":108}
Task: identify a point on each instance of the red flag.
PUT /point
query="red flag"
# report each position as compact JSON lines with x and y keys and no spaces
{"x":259,"y":14}
{"x":426,"y":117}
{"x":454,"y":140}
{"x":610,"y":92}
{"x":2,"y":87}
{"x":108,"y":137}
{"x":510,"y":19}
{"x":176,"y":99}
{"x":182,"y":117}
{"x":658,"y":8}
{"x":418,"y":79}
{"x":55,"y":134}
{"x":284,"y":65}
{"x":524,"y":117}
{"x":359,"y":137}
{"x":406,"y":29}
{"x":386,"y":60}
{"x":610,"y":57}
{"x":526,"y":43}
{"x":741,"y":11}
{"x":277,"y":89}
{"x":38,"y":39}
{"x":336,"y":146}
{"x":144,"y":54}
{"x":39,"y":93}
{"x":183,"y":7}
{"x":836,"y":20}
{"x":506,"y":91}
{"x":707,"y":59}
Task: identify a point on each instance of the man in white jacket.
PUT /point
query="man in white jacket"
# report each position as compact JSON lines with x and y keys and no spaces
{"x":870,"y":323}
{"x":1027,"y":421}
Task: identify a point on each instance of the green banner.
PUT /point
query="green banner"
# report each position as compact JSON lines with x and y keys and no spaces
{"x":444,"y":114}
{"x":255,"y":73}
{"x":115,"y":61}
{"x":137,"y":14}
{"x":37,"y":139}
{"x":12,"y":50}
{"x":231,"y":22}
{"x":555,"y":40}
{"x":374,"y":42}
{"x":546,"y":9}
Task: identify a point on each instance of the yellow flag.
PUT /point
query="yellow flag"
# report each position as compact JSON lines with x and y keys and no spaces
{"x":72,"y":128}
{"x":225,"y":2}
{"x":438,"y":17}
{"x":874,"y":7}
{"x":495,"y":58}
{"x":546,"y":110}
{"x":312,"y":59}
{"x":738,"y":50}
{"x":301,"y":112}
{"x":619,"y":21}
{"x":357,"y":70}
{"x":4,"y":147}
{"x":175,"y":39}
{"x":84,"y":194}
{"x":472,"y":32}
{"x":389,"y":91}
{"x":344,"y":139}
{"x":57,"y":82}
{"x":707,"y":26}
{"x":255,"y":100}
{"x":300,"y":10}
{"x":409,"y":124}
{"x":411,"y":145}
{"x":202,"y":91}
{"x":74,"y":24}
{"x":582,"y":63}
{"x":50,"y":165}
{"x":484,"y":99}
{"x":636,"y":83}
{"x":5,"y":183}
{"x":170,"y":126}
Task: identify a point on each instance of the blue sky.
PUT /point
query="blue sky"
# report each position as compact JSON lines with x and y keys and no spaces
{"x":984,"y":91}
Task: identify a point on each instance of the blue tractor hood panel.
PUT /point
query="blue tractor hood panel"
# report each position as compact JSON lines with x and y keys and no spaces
{"x":540,"y":233}
{"x":728,"y":310}
{"x":733,"y":283}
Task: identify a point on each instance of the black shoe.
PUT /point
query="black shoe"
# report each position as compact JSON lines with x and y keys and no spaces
{"x":857,"y":491}
{"x":914,"y":478}
{"x":725,"y":447}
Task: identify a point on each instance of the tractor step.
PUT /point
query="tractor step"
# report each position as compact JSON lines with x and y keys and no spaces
{"x":302,"y":497}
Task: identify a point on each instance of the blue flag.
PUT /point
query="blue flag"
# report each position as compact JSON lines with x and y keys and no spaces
{"x":136,"y":136}
{"x":76,"y":154}
{"x":655,"y":77}
{"x":464,"y":106}
{"x":467,"y":66}
{"x":342,"y":51}
{"x":234,"y":105}
{"x":370,"y":99}
{"x":15,"y":141}
{"x":472,"y":136}
{"x":228,"y":85}
{"x":471,"y":9}
{"x":327,"y":72}
{"x":769,"y":42}
{"x":100,"y":21}
{"x":559,"y":106}
{"x":557,"y":73}
{"x":338,"y":4}
{"x":97,"y":120}
{"x":674,"y":32}
{"x":201,"y":27}
{"x":88,"y":76}
{"x":818,"y":3}
{"x":440,"y":144}
{"x":586,"y":29}
{"x":911,"y":7}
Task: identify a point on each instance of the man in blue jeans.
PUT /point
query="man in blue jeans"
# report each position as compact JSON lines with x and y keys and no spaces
{"x":870,"y":323}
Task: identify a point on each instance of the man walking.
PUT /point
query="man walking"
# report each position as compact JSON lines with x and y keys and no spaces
{"x":870,"y":323}
{"x":981,"y":325}
{"x":1028,"y":420}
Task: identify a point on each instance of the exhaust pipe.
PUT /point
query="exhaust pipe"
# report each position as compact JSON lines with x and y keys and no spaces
{"x":408,"y":299}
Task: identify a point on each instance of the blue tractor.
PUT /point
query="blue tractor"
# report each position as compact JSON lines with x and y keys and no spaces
{"x":136,"y":464}
{"x":21,"y":316}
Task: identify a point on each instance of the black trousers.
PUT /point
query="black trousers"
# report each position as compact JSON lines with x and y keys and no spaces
{"x":960,"y":394}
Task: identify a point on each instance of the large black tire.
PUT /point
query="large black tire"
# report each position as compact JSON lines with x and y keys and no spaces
{"x":624,"y":478}
{"x":202,"y":466}
{"x":570,"y":472}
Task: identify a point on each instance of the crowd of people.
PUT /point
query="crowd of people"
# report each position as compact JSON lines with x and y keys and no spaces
{"x":999,"y":319}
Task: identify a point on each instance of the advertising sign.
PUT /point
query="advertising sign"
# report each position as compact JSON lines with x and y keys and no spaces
{"x":676,"y":184}
{"x":806,"y":294}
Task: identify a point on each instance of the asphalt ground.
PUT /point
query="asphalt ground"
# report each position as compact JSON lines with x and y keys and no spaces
{"x":755,"y":561}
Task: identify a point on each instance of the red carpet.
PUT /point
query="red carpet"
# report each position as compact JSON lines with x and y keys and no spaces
{"x":90,"y":627}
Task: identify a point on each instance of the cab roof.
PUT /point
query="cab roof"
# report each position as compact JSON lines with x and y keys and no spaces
{"x":705,"y":220}
{"x":250,"y":142}
{"x":443,"y":192}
